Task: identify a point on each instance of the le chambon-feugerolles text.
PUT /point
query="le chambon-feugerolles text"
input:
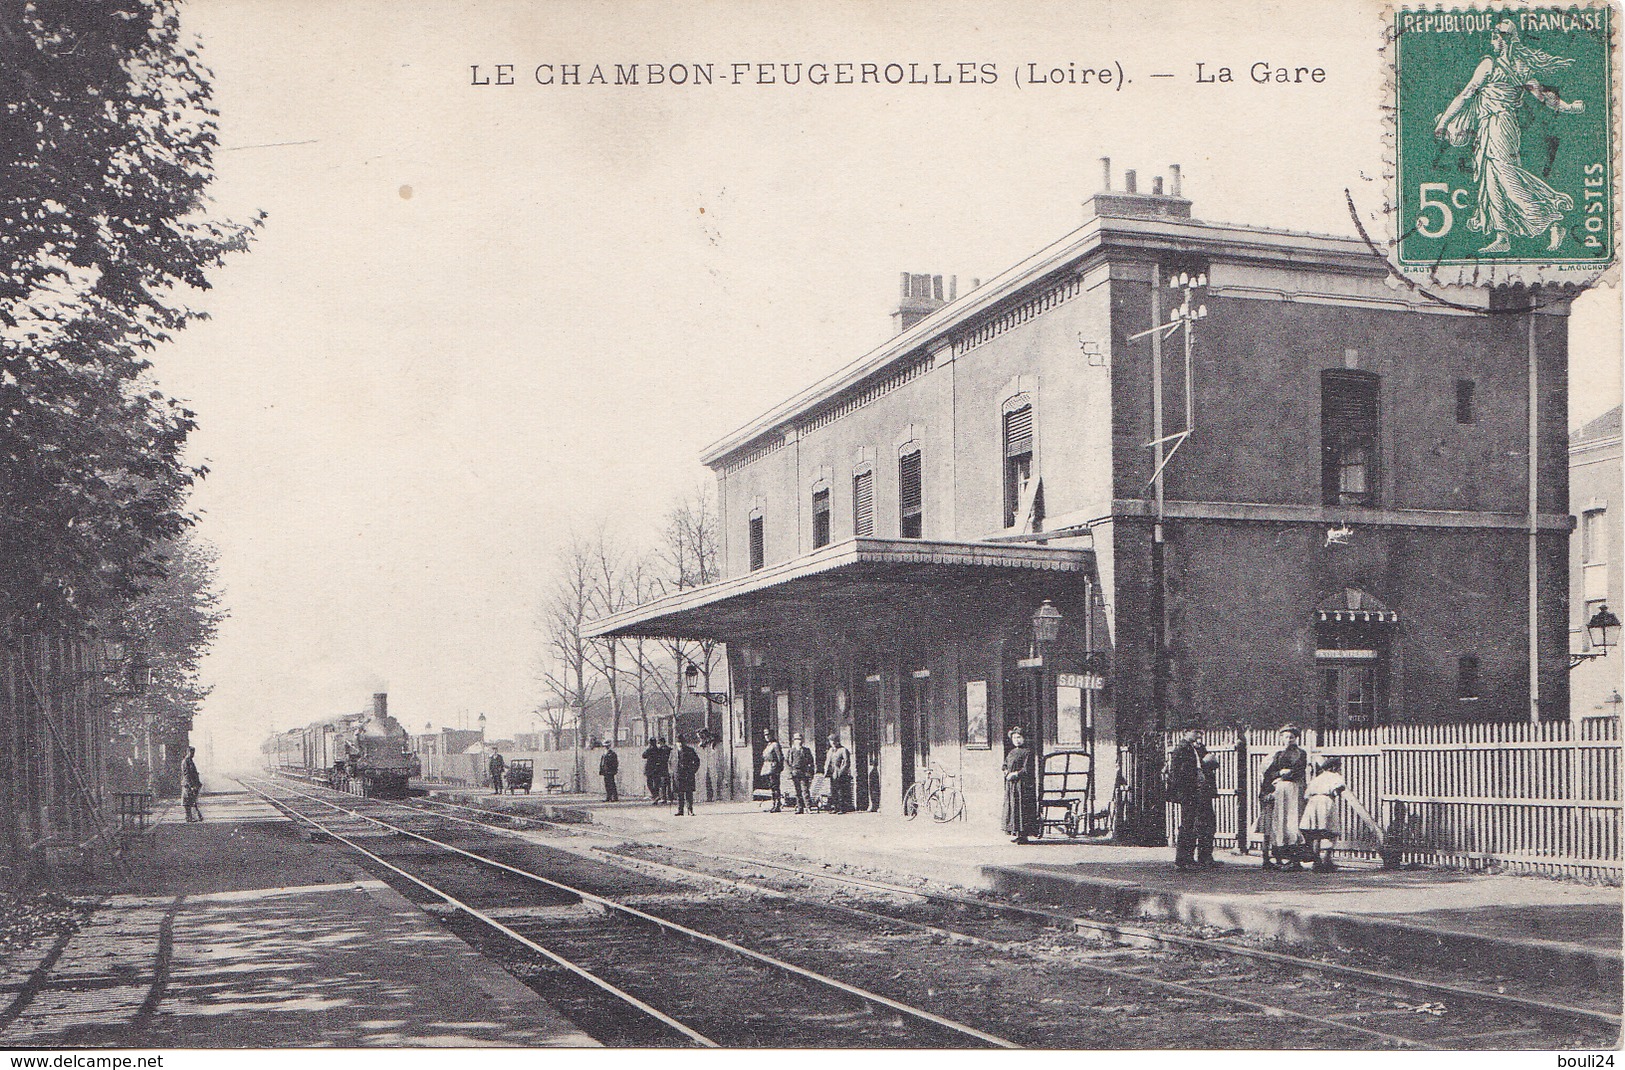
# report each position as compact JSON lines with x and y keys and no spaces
{"x":1109,"y":75}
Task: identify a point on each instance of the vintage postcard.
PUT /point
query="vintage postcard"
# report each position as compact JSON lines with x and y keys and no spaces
{"x":809,"y":525}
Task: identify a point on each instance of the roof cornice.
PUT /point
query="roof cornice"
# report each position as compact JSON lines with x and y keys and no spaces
{"x":1097,"y":239}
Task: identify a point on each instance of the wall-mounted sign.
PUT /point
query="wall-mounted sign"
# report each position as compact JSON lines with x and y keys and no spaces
{"x":1084,"y":681}
{"x":976,"y":713}
{"x":1068,"y":715}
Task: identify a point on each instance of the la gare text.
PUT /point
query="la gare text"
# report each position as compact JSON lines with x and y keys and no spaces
{"x":1110,"y":75}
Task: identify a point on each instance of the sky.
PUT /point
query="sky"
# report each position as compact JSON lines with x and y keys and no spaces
{"x":480,"y":318}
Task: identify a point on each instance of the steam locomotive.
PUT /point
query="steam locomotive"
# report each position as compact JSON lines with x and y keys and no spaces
{"x":363,"y":753}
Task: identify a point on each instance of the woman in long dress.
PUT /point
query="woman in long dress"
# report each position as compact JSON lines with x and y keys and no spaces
{"x":1511,"y":200}
{"x":1020,"y":789}
{"x":1280,"y":801}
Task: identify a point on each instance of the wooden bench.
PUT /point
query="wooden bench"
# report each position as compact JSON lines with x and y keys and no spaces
{"x":134,"y":812}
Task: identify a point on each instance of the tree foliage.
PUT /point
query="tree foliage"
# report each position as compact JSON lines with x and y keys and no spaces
{"x":173,"y":624}
{"x":108,"y":145}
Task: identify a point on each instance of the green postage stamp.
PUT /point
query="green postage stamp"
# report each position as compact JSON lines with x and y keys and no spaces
{"x":1504,"y":142}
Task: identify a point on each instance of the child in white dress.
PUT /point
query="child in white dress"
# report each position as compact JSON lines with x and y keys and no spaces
{"x":1319,"y":821}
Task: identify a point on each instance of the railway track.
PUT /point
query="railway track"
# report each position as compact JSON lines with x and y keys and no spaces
{"x":1489,"y":1018}
{"x":1014,"y":973}
{"x":593,"y":955}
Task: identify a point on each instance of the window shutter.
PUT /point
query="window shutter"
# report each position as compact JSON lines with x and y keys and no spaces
{"x":908,"y":483}
{"x":757,"y":547}
{"x":1018,"y":432}
{"x":863,"y":504}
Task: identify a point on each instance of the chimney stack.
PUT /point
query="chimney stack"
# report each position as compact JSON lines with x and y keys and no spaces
{"x":920,"y":295}
{"x":380,"y":706}
{"x":1130,"y":203}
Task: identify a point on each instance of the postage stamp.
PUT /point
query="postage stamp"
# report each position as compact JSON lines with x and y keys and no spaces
{"x":1504,"y":142}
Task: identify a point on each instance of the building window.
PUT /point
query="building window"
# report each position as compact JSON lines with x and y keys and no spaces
{"x":757,"y":549}
{"x":1465,"y":413}
{"x":1018,"y":462}
{"x":911,"y":518}
{"x":820,"y":517}
{"x":1593,"y":565}
{"x":1467,"y":677}
{"x":1348,"y":437}
{"x":863,"y":504}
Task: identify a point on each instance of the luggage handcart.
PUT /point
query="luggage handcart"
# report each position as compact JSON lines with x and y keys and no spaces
{"x":1066,"y":792}
{"x":521,"y":771}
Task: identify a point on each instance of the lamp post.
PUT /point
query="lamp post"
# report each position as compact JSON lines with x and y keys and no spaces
{"x":1599,"y":631}
{"x":1046,"y":625}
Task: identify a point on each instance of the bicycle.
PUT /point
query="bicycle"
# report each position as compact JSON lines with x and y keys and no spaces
{"x":938,"y":793}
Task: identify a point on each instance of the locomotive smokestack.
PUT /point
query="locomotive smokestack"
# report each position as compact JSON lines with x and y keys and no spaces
{"x":380,"y":705}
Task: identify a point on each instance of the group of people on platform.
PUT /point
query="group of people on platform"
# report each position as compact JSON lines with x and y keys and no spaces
{"x":670,"y":773}
{"x":801,"y":764}
{"x":1297,"y":812}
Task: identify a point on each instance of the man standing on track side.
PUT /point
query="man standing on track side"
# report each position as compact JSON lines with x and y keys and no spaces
{"x":608,"y":766}
{"x":191,"y":785}
{"x":654,"y":771}
{"x":772,"y":767}
{"x":688,"y":767}
{"x":496,"y":768}
{"x":838,"y":770}
{"x":802,"y":764}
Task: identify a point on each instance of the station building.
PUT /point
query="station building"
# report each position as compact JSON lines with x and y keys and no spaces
{"x":1595,"y":555}
{"x":1031,"y":507}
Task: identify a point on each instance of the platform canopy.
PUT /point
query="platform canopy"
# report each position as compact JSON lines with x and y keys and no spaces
{"x":854,"y":579}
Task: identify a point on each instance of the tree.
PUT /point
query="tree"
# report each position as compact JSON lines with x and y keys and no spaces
{"x":109,"y":140}
{"x":689,"y":550}
{"x":568,"y":672}
{"x":172,"y":625}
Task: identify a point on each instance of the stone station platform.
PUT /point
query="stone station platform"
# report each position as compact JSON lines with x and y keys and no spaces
{"x":241,"y":932}
{"x":1515,"y":925}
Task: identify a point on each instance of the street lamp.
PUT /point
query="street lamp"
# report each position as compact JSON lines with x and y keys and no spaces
{"x":1046,"y":627}
{"x":1598,"y":631}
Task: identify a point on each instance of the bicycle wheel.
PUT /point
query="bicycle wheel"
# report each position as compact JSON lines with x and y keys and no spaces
{"x":947,"y":805}
{"x":911,"y":802}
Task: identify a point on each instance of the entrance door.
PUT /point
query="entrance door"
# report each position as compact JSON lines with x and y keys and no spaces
{"x":915,"y":729}
{"x":865,"y":736}
{"x":1350,"y":694}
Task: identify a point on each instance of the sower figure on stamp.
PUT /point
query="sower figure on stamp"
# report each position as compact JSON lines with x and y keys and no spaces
{"x":1020,"y":788}
{"x":608,"y":767}
{"x":1511,"y":200}
{"x":772,"y":767}
{"x":1193,"y":785}
{"x":191,"y":785}
{"x":1280,"y":798}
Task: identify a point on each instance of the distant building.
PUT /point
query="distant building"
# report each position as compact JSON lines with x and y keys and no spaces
{"x":1594,"y":560}
{"x":1324,"y":514}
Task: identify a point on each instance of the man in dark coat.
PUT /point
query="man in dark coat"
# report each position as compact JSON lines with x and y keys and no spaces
{"x":1192,"y":785}
{"x":191,"y":785}
{"x":608,"y":766}
{"x":1020,"y":788}
{"x":654,"y":771}
{"x":496,"y":767}
{"x":688,"y":767}
{"x":802,"y":764}
{"x":838,"y":770}
{"x":772,"y":767}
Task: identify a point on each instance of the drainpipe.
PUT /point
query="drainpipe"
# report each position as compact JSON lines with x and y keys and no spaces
{"x":1534,"y":506}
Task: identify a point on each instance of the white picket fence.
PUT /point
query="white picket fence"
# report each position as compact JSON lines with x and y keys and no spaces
{"x":1542,"y":797}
